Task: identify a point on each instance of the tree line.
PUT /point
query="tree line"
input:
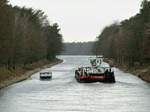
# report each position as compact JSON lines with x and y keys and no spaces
{"x":26,"y":36}
{"x":78,"y":48}
{"x":127,"y":42}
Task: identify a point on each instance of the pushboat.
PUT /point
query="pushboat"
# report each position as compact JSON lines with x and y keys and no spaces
{"x":45,"y":75}
{"x":97,"y":72}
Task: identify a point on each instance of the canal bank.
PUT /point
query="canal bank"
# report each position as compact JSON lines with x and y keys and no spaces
{"x":8,"y":77}
{"x":142,"y":72}
{"x":64,"y":94}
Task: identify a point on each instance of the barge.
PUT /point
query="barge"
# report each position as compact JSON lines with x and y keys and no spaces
{"x":97,"y":72}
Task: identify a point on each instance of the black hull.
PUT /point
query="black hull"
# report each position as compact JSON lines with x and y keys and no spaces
{"x":46,"y":78}
{"x":108,"y":78}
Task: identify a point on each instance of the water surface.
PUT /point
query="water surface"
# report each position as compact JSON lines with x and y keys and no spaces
{"x":64,"y":94}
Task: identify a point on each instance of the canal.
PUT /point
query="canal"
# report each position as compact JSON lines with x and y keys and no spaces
{"x":64,"y":94}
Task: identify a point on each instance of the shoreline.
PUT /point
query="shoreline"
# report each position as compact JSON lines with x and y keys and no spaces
{"x":141,"y":72}
{"x":28,"y":73}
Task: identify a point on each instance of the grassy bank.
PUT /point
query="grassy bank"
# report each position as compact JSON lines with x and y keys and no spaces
{"x":8,"y":77}
{"x":142,"y":72}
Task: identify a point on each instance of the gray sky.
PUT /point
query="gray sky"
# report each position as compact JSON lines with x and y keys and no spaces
{"x":83,"y":20}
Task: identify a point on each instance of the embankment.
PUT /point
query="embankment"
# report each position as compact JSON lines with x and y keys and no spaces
{"x":142,"y":72}
{"x":8,"y":77}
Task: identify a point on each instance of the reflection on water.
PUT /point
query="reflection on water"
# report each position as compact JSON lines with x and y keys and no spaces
{"x":64,"y":94}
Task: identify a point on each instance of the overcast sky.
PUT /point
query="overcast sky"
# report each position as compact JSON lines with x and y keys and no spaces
{"x":83,"y":20}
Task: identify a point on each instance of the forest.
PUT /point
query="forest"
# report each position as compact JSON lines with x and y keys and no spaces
{"x":78,"y":48}
{"x":26,"y":36}
{"x":128,"y":41}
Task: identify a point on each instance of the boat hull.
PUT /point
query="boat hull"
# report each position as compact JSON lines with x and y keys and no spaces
{"x":105,"y":78}
{"x":45,"y":77}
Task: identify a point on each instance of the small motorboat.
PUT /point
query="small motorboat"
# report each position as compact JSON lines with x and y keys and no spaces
{"x":95,"y":73}
{"x":45,"y":75}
